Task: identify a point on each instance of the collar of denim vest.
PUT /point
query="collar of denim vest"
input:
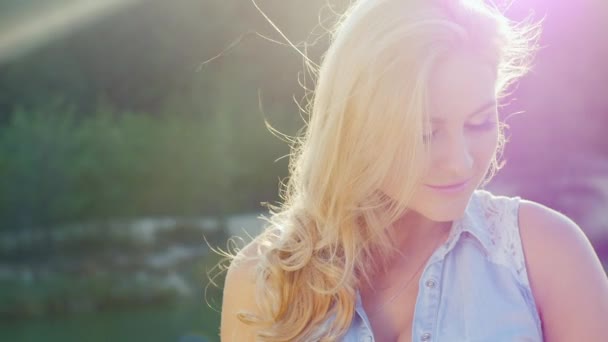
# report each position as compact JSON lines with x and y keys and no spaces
{"x":473,"y":222}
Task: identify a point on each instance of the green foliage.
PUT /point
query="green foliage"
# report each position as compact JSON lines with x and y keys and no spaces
{"x":140,"y":56}
{"x":122,"y":118}
{"x":34,"y":170}
{"x":56,"y":168}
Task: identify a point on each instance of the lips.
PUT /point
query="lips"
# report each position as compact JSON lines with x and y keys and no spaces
{"x":449,"y":186}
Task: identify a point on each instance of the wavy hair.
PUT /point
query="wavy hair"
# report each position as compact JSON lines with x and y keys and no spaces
{"x":369,"y":104}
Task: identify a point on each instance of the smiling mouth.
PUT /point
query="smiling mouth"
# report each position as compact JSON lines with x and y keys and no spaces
{"x":450,"y":186}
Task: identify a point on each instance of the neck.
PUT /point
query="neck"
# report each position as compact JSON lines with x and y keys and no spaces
{"x":416,"y":239}
{"x":414,"y":232}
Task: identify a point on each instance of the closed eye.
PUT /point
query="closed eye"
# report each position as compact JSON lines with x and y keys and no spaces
{"x":485,"y":126}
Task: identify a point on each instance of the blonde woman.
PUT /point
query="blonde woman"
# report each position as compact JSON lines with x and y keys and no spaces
{"x":385,"y":232}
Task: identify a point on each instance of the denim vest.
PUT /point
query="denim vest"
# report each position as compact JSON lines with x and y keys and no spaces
{"x":474,"y":287}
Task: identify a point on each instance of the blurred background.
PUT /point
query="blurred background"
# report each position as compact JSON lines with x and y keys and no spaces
{"x":133,"y":137}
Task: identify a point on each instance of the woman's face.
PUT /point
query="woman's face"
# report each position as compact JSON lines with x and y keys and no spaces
{"x":464,"y":122}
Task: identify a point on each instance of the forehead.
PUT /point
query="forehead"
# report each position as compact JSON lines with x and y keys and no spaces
{"x":460,"y":84}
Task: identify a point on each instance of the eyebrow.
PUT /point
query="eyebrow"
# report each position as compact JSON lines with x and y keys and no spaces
{"x":482,"y":108}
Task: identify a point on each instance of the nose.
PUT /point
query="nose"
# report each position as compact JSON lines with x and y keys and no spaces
{"x":456,"y":156}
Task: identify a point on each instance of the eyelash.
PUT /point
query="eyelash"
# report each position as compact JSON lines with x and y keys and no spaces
{"x":486,"y":126}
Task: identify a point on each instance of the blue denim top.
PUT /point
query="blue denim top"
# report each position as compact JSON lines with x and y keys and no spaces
{"x":474,"y":287}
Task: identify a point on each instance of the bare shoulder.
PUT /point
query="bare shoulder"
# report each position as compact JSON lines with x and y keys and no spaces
{"x":239,"y":294}
{"x":566,"y":276}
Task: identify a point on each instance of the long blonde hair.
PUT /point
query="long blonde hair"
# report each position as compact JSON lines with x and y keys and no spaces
{"x":330,"y":233}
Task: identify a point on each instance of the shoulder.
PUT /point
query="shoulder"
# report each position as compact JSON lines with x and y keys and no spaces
{"x":239,"y":294}
{"x":566,"y":276}
{"x":551,"y":231}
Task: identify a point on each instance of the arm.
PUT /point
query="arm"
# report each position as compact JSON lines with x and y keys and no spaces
{"x":566,"y":276}
{"x":239,"y":295}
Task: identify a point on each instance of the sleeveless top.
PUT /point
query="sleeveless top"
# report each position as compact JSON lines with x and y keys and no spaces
{"x":474,"y":287}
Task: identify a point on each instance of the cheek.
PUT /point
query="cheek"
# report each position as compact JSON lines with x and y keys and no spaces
{"x":484,"y":147}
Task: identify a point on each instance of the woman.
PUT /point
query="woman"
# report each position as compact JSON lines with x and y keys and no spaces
{"x":385,"y":233}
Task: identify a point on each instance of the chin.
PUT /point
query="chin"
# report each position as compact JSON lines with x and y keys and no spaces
{"x":441,"y":209}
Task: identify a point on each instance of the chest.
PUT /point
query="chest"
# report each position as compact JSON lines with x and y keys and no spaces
{"x":390,"y":303}
{"x":390,"y":313}
{"x":457,"y":299}
{"x":394,"y":321}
